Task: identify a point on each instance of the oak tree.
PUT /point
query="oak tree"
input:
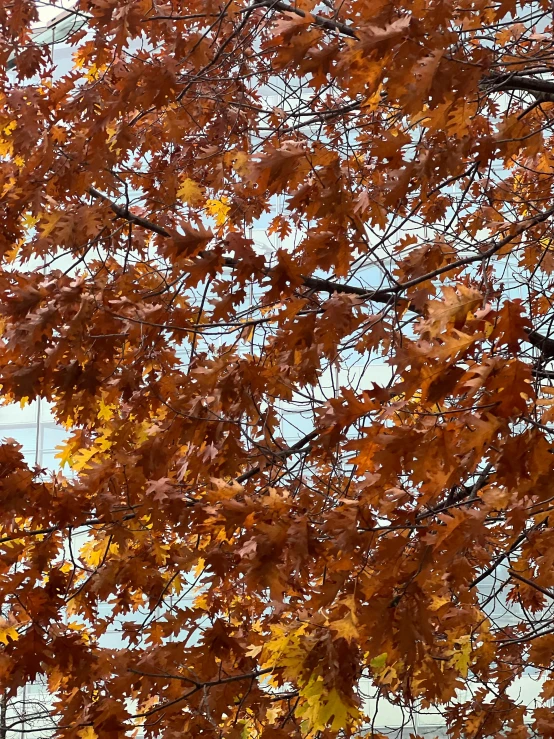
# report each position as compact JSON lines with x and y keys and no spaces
{"x":211,"y":230}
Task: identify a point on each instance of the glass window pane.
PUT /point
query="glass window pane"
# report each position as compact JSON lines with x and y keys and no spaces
{"x":53,"y":436}
{"x":49,"y":462}
{"x":23,"y":434}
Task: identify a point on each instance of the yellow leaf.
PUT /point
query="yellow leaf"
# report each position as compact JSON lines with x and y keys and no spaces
{"x":218,"y":209}
{"x":75,"y":626}
{"x":7,"y":130}
{"x":461,"y":659}
{"x":372,"y":102}
{"x":11,"y":255}
{"x":93,"y":551}
{"x":253,"y":651}
{"x":272,"y":714}
{"x":377,"y":663}
{"x":160,"y":552}
{"x":106,"y":411}
{"x":201,"y":602}
{"x":190,"y":192}
{"x":8,"y":632}
{"x":10,"y":543}
{"x":321,"y":709}
{"x":177,"y":584}
{"x":6,"y":147}
{"x":81,"y":459}
{"x":55,"y":679}
{"x":346,"y":627}
{"x":29,"y":220}
{"x":94,"y":72}
{"x":81,"y":628}
{"x":49,"y":222}
{"x":65,"y":455}
{"x":141,"y":431}
{"x":87,"y":733}
{"x":199,"y":568}
{"x":438,"y":601}
{"x":103,"y":443}
{"x":240,"y":162}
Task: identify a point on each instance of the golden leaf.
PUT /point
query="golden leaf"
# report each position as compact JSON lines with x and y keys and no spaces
{"x":240,"y":163}
{"x":218,"y":209}
{"x":377,"y":663}
{"x":190,"y":192}
{"x":461,"y":659}
{"x":8,"y":632}
{"x":87,"y":733}
{"x":321,"y":709}
{"x":346,"y":627}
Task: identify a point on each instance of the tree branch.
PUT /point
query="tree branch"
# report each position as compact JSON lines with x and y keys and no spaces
{"x":532,"y":584}
{"x":384,"y":296}
{"x":318,"y":20}
{"x":543,"y":90}
{"x":543,"y":343}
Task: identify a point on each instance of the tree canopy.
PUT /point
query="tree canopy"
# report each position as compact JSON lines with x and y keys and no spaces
{"x":211,"y":230}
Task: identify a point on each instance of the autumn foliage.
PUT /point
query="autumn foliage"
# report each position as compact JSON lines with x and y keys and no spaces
{"x":272,"y":526}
